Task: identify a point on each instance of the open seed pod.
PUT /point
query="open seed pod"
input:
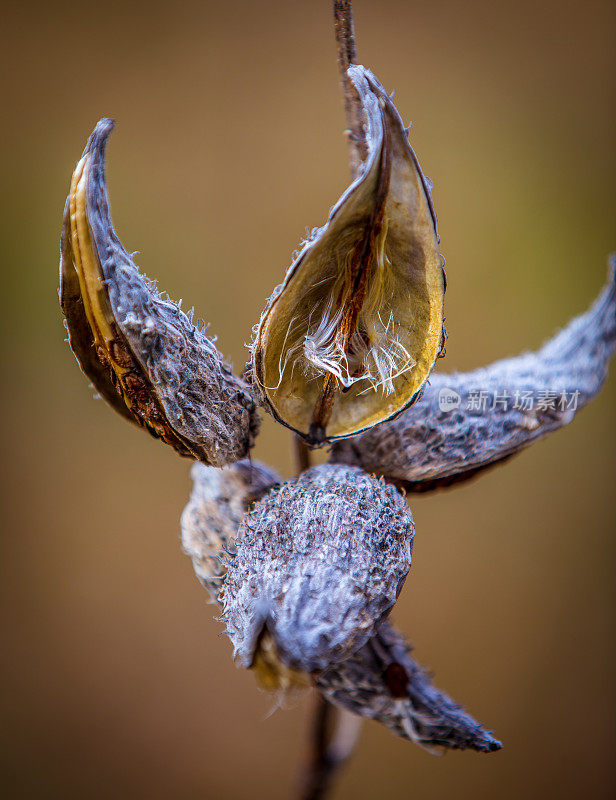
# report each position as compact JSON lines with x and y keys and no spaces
{"x":219,"y":501}
{"x":351,"y":335}
{"x":467,"y":422}
{"x":383,"y":682}
{"x":318,"y":562}
{"x":141,"y":352}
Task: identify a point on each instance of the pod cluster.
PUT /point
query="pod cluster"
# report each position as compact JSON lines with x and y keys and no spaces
{"x":289,"y":642}
{"x":306,"y":571}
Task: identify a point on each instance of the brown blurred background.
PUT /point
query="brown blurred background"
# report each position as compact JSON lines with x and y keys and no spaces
{"x":115,"y":679}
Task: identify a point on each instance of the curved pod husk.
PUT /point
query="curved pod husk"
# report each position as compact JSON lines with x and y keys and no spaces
{"x":350,"y":337}
{"x":219,"y":501}
{"x":139,"y":349}
{"x":318,"y":562}
{"x":497,"y":410}
{"x":383,"y":682}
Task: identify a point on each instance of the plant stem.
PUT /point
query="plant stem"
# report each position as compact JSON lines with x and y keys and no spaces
{"x":347,"y":55}
{"x":302,"y":455}
{"x":333,"y":735}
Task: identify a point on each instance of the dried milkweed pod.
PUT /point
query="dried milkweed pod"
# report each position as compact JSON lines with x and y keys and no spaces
{"x":350,"y":337}
{"x":218,"y":504}
{"x":383,"y":682}
{"x":466,"y":422}
{"x":379,"y":681}
{"x":318,"y":562}
{"x":140,"y":350}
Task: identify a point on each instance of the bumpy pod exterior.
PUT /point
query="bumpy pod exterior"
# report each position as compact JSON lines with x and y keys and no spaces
{"x":219,"y":501}
{"x":318,"y":562}
{"x":466,"y":422}
{"x":379,"y":681}
{"x":351,"y":335}
{"x":384,"y":683}
{"x":140,"y":350}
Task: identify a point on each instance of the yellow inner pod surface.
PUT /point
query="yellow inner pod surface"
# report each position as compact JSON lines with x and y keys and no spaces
{"x":270,"y":673}
{"x":93,"y":291}
{"x":86,"y":260}
{"x":373,"y":359}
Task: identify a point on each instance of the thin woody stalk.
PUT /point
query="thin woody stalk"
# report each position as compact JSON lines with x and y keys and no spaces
{"x":301,"y":452}
{"x":333,"y":733}
{"x":347,"y":55}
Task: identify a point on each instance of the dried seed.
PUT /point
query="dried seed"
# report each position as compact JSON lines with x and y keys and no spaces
{"x":319,"y":561}
{"x":352,"y":334}
{"x":383,"y":682}
{"x":139,"y":349}
{"x":497,"y":410}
